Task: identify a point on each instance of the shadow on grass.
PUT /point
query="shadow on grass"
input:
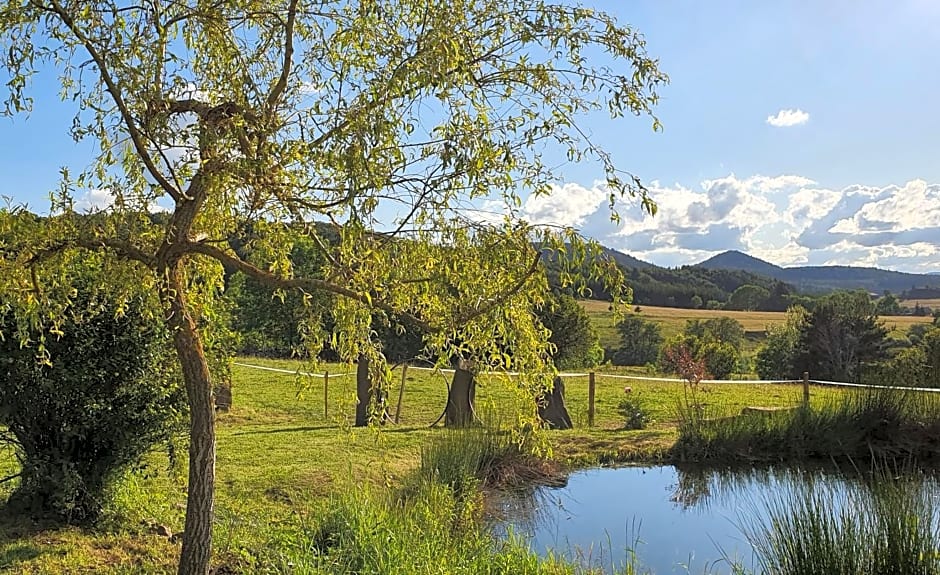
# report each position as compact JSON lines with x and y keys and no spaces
{"x":287,"y":430}
{"x":17,"y":553}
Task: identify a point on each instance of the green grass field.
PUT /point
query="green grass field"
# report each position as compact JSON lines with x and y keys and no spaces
{"x":279,"y":458}
{"x":673,"y":321}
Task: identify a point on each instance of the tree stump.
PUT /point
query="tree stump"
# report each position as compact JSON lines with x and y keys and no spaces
{"x":459,"y":410}
{"x":552,"y":408}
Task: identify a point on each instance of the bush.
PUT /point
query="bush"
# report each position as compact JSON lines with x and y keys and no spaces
{"x":640,"y":341}
{"x":634,"y":413}
{"x":101,"y":401}
{"x":720,"y":359}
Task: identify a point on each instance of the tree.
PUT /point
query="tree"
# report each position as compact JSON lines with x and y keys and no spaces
{"x":777,"y":357}
{"x":841,"y":337}
{"x":696,"y":302}
{"x":716,"y":329}
{"x":574,"y":340}
{"x":640,"y":341}
{"x":748,"y":298}
{"x":888,"y":304}
{"x":386,"y":120}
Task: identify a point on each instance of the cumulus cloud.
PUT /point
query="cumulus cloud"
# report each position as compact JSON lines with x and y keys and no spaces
{"x":787,"y":220}
{"x":94,"y":200}
{"x":566,"y":205}
{"x":788,"y":117}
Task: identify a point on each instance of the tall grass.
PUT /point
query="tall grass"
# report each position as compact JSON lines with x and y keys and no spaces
{"x":481,"y":456}
{"x":431,"y":532}
{"x":890,"y":528}
{"x":867,"y":425}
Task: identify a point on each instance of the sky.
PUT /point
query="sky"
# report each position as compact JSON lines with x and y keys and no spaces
{"x":801,"y":132}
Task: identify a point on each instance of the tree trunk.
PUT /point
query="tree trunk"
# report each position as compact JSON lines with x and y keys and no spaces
{"x":197,"y":537}
{"x":459,"y":410}
{"x":552,"y":408}
{"x":363,"y":391}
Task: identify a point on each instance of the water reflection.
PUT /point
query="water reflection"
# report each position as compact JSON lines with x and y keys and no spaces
{"x":675,"y":519}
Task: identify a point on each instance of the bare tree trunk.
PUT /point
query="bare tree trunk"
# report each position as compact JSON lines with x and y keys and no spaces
{"x":460,"y":398}
{"x":197,"y":537}
{"x":552,"y":408}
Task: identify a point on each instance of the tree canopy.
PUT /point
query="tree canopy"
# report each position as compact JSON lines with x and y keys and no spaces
{"x":390,"y":121}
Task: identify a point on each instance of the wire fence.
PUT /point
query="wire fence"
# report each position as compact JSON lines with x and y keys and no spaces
{"x":593,"y":377}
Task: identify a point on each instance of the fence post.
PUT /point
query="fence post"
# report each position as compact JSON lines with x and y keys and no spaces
{"x":401,"y":391}
{"x":591,"y":399}
{"x":326,"y":387}
{"x":806,"y":389}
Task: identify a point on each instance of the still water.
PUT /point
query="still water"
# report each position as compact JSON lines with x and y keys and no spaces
{"x":673,"y":520}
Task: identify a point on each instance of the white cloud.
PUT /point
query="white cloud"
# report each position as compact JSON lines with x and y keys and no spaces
{"x":566,"y":205}
{"x":94,"y":200}
{"x":786,"y":220}
{"x":788,"y":117}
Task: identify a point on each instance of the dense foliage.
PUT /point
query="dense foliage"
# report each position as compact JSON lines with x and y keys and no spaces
{"x":777,"y":357}
{"x":714,"y":342}
{"x":842,"y":338}
{"x":574,"y":339}
{"x":98,"y":399}
{"x":640,"y":341}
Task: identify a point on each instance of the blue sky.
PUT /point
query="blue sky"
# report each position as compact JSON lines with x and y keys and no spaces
{"x":847,"y":172}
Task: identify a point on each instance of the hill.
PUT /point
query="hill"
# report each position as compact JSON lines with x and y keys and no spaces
{"x":817,"y":279}
{"x":684,"y":287}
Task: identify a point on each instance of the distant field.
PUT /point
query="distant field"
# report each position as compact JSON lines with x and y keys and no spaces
{"x":931,"y":303}
{"x":673,"y":320}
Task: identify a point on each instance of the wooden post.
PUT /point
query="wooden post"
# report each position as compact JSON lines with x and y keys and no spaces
{"x":806,"y":389}
{"x":326,"y":387}
{"x":591,"y":399}
{"x":401,"y":391}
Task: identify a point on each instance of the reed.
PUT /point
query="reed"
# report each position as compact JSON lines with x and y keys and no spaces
{"x":890,"y":527}
{"x":867,"y":425}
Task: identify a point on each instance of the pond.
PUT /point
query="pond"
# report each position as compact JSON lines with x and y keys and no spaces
{"x":675,"y":520}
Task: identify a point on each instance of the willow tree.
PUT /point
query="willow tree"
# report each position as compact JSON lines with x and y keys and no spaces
{"x":392,"y":120}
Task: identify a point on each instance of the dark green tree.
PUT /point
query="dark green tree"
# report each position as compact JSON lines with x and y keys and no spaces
{"x":747,"y":298}
{"x":716,"y":329}
{"x":842,"y":338}
{"x":640,"y":341}
{"x":574,"y":340}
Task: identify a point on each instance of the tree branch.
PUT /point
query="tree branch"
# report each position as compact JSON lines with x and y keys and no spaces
{"x":505,"y":295}
{"x":115,"y":93}
{"x":278,"y":89}
{"x":276,"y":281}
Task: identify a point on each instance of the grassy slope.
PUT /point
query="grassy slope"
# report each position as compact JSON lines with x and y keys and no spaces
{"x":279,"y":457}
{"x":673,"y":321}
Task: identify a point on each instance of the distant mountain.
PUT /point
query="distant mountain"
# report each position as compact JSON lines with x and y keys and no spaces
{"x":626,"y":260}
{"x":818,"y":279}
{"x":735,"y":260}
{"x":681,"y":287}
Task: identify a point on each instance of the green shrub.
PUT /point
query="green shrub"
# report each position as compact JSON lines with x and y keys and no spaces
{"x":102,"y":400}
{"x":634,"y":413}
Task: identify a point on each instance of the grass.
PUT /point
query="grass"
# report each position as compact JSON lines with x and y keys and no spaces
{"x":888,"y":528}
{"x":672,"y":321}
{"x":282,"y":463}
{"x":856,"y":426}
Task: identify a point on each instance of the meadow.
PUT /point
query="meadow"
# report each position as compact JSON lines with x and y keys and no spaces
{"x":281,"y":461}
{"x":672,"y":321}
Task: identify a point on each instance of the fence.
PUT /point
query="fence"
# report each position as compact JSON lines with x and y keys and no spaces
{"x":592,"y":376}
